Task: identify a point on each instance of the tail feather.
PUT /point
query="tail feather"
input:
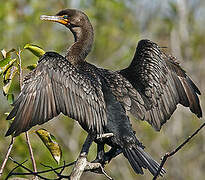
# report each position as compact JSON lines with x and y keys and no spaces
{"x":136,"y":165}
{"x":139,"y":159}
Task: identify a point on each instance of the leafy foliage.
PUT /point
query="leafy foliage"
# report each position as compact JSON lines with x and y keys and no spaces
{"x":8,"y":68}
{"x":36,"y":50}
{"x":50,"y":142}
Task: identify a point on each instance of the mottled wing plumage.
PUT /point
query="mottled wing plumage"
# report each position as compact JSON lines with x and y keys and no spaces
{"x":125,"y":93}
{"x":56,"y":86}
{"x":161,"y":83}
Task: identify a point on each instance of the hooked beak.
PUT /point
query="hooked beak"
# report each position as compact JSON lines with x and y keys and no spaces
{"x":58,"y":19}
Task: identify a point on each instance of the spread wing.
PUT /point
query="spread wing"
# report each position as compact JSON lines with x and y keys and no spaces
{"x":56,"y":86}
{"x":160,"y":85}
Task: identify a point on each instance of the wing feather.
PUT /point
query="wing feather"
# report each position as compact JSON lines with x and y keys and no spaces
{"x":57,"y":86}
{"x":158,"y":85}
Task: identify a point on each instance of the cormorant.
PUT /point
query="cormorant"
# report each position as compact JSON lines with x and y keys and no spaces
{"x":99,"y":99}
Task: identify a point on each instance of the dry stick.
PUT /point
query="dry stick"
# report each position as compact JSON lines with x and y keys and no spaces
{"x":82,"y":159}
{"x":97,"y":168}
{"x":90,"y":166}
{"x":31,"y":152}
{"x":26,"y":133}
{"x":39,"y":172}
{"x":21,"y":165}
{"x":7,"y":156}
{"x":13,"y":168}
{"x":167,"y":155}
{"x":82,"y":164}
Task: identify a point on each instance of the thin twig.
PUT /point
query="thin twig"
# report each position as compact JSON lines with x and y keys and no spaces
{"x":96,"y":168}
{"x":31,"y":151}
{"x":59,"y":174}
{"x":167,"y":155}
{"x":78,"y":169}
{"x":83,"y":165}
{"x":7,"y":155}
{"x":21,"y":165}
{"x":87,"y":166}
{"x":61,"y":171}
{"x":26,"y":133}
{"x":11,"y":172}
{"x":20,"y":69}
{"x":43,"y":172}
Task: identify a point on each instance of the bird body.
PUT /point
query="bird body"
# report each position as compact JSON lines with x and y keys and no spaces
{"x":99,"y":99}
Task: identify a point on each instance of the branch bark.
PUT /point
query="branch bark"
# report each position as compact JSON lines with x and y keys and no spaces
{"x":167,"y":155}
{"x":26,"y":133}
{"x":7,"y":156}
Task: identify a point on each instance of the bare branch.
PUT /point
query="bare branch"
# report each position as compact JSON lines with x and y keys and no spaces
{"x":97,"y":168}
{"x":40,"y":172}
{"x":81,"y":165}
{"x":30,"y":151}
{"x":79,"y":168}
{"x":24,"y":167}
{"x":11,"y":172}
{"x":20,"y":69}
{"x":7,"y":155}
{"x":26,"y":133}
{"x":167,"y":155}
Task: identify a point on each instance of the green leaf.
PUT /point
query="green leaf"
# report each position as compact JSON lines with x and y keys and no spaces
{"x":10,"y":98}
{"x":31,"y":67}
{"x":50,"y":142}
{"x":10,"y":73}
{"x":5,"y":61}
{"x":36,"y":50}
{"x":5,"y":64}
{"x":8,"y":77}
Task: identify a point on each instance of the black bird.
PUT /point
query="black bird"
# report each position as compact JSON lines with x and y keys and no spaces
{"x":99,"y":99}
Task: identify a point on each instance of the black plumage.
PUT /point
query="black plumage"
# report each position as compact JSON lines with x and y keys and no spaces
{"x":99,"y":99}
{"x":161,"y":83}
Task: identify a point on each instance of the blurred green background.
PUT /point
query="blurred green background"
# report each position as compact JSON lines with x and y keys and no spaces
{"x":119,"y":25}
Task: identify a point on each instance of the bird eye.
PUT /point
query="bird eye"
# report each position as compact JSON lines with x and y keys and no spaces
{"x":65,"y":16}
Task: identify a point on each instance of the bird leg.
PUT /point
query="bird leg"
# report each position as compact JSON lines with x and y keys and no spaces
{"x":100,"y":147}
{"x":112,"y":153}
{"x":88,"y":142}
{"x":104,"y":158}
{"x":81,"y":162}
{"x":100,"y":153}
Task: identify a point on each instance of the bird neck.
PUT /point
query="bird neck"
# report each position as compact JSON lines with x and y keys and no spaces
{"x":78,"y":51}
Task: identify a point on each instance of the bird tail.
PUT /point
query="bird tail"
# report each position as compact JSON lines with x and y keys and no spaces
{"x":139,"y":159}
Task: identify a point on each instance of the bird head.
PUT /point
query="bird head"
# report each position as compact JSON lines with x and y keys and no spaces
{"x":71,"y":18}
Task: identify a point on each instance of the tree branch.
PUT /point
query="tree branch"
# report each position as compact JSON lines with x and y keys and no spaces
{"x":167,"y":155}
{"x":80,"y":165}
{"x":26,"y":133}
{"x":7,"y":156}
{"x":31,"y":152}
{"x":24,"y":167}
